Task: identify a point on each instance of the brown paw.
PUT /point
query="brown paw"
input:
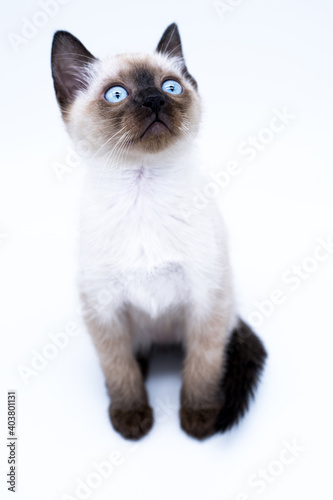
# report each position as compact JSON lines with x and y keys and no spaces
{"x":132,"y":424}
{"x":199,"y":423}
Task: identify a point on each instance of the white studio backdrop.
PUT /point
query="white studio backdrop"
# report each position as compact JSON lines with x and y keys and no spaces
{"x":254,"y":60}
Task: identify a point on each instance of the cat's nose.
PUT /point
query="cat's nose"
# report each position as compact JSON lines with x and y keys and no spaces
{"x":154,"y":102}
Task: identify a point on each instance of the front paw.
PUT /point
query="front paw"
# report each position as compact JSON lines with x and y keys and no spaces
{"x":132,"y":424}
{"x":199,"y":423}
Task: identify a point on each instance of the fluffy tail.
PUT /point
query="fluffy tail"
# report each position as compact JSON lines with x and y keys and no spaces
{"x":246,"y":357}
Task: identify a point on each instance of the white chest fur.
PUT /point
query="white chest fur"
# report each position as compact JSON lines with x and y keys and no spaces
{"x":137,"y":247}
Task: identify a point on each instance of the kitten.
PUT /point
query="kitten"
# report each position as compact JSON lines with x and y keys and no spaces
{"x":149,"y":275}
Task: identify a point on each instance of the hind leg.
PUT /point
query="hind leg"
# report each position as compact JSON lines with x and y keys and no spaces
{"x":142,"y":359}
{"x":220,"y":379}
{"x":201,"y":399}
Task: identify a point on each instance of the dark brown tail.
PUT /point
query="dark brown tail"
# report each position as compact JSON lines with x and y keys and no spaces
{"x":246,"y":356}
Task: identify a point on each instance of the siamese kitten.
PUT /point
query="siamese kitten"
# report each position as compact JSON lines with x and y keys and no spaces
{"x":147,"y":274}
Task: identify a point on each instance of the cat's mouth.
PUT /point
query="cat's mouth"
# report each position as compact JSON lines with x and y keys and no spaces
{"x":156,"y":127}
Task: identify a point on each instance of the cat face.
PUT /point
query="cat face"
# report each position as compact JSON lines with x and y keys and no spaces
{"x":127,"y":105}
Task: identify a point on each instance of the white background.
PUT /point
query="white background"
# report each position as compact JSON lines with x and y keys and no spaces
{"x":261,"y":55}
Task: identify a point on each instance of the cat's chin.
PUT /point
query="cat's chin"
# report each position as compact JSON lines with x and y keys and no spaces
{"x":156,"y":128}
{"x":155,"y":135}
{"x":156,"y":138}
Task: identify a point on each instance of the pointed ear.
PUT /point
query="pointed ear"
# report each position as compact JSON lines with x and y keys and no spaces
{"x":171,"y":45}
{"x":70,"y":62}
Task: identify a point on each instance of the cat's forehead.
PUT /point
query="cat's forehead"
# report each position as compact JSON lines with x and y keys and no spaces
{"x":141,"y":69}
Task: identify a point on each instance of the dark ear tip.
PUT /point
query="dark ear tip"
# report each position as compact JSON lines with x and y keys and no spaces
{"x":170,"y":40}
{"x":172,"y":27}
{"x":62,"y":35}
{"x":58,"y":37}
{"x":64,"y":40}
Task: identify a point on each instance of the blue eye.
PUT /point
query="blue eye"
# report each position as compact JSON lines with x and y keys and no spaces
{"x":116,"y":94}
{"x":172,"y":87}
